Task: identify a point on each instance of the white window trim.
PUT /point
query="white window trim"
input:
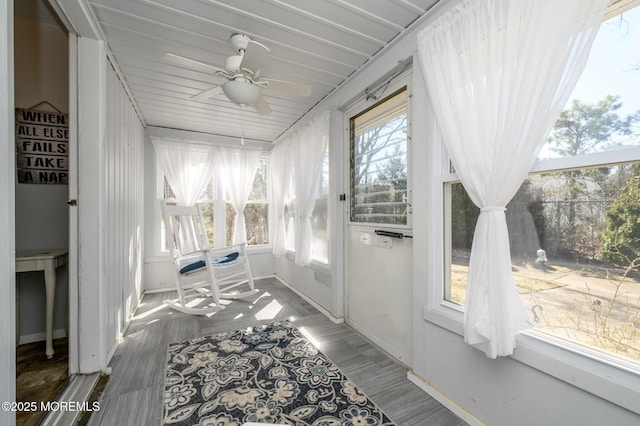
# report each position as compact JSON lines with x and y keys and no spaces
{"x":611,"y":378}
{"x":398,"y":82}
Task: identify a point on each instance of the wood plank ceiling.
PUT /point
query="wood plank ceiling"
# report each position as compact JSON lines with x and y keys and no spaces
{"x":315,"y":42}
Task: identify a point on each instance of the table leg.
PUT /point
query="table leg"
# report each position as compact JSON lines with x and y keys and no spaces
{"x":50,"y":290}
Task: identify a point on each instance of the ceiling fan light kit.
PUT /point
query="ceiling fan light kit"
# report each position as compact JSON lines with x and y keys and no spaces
{"x":241,"y":93}
{"x":244,"y":85}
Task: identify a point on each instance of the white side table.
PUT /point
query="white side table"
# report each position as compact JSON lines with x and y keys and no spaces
{"x":46,"y":261}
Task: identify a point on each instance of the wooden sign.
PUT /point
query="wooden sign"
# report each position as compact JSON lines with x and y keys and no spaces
{"x":42,"y":142}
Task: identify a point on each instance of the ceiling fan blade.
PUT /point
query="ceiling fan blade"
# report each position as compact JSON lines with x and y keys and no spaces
{"x":288,"y":87}
{"x":254,"y":57}
{"x":206,"y":94}
{"x":262,"y":107}
{"x":190,"y":63}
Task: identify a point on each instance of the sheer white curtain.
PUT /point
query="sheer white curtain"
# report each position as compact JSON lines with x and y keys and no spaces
{"x":498,"y":73}
{"x":187,"y":166}
{"x":239,"y":167}
{"x":307,"y":152}
{"x":280,"y":176}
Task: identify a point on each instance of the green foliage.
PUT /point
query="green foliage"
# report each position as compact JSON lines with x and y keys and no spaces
{"x":464,"y":215}
{"x":621,"y":236}
{"x":586,"y":128}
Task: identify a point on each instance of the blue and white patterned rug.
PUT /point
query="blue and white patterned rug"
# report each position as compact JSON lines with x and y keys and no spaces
{"x":269,"y":374}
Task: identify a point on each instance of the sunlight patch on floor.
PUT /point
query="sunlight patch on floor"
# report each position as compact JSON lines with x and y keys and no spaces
{"x":269,"y":312}
{"x":306,"y":333}
{"x":149,"y":312}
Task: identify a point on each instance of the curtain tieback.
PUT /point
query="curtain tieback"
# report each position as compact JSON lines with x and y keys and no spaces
{"x":492,"y":209}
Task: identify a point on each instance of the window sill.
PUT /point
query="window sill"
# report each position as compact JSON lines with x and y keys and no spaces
{"x":260,"y":249}
{"x":383,"y":226}
{"x":315,"y":265}
{"x":607,"y":377}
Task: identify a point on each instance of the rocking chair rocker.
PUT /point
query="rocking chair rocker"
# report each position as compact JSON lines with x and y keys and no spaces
{"x":203,"y":275}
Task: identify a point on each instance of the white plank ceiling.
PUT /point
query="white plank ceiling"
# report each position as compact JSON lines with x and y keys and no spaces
{"x":315,"y":42}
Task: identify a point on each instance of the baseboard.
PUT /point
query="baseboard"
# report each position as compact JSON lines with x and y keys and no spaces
{"x":443,"y":399}
{"x":157,"y":290}
{"x":41,"y":337}
{"x":323,"y":310}
{"x":402,"y":359}
{"x":166,"y":289}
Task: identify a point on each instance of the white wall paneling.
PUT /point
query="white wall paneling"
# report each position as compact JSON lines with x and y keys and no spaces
{"x":110,"y":206}
{"x":124,"y":182}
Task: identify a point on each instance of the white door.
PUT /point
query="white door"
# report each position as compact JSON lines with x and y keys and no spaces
{"x":74,"y":367}
{"x":378,"y":287}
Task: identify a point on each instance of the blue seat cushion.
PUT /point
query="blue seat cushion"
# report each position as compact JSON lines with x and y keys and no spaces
{"x":201,"y":263}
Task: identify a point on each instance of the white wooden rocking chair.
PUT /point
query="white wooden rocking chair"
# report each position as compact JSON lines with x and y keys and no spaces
{"x":203,"y":275}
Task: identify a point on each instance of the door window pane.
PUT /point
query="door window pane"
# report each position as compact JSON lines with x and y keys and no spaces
{"x":379,"y":163}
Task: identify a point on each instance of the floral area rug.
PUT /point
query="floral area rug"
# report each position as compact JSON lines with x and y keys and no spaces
{"x":267,"y":374}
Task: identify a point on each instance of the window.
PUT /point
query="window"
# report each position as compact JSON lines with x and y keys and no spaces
{"x":319,"y":217}
{"x":379,"y":143}
{"x":218,"y":213}
{"x":256,"y":212}
{"x":574,"y":224}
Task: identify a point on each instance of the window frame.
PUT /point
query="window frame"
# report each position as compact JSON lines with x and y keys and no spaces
{"x":261,"y":158}
{"x":392,"y":87}
{"x":219,"y":210}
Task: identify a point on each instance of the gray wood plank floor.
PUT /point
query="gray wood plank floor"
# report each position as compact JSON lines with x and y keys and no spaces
{"x":133,"y":395}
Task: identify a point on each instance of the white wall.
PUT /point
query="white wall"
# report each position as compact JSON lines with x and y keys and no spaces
{"x":315,"y":283}
{"x":42,"y":214}
{"x":7,"y":213}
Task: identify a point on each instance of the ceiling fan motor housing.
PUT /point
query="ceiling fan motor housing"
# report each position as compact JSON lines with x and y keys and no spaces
{"x":232,"y":63}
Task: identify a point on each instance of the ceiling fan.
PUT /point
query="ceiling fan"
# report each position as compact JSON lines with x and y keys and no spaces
{"x":244,"y":84}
